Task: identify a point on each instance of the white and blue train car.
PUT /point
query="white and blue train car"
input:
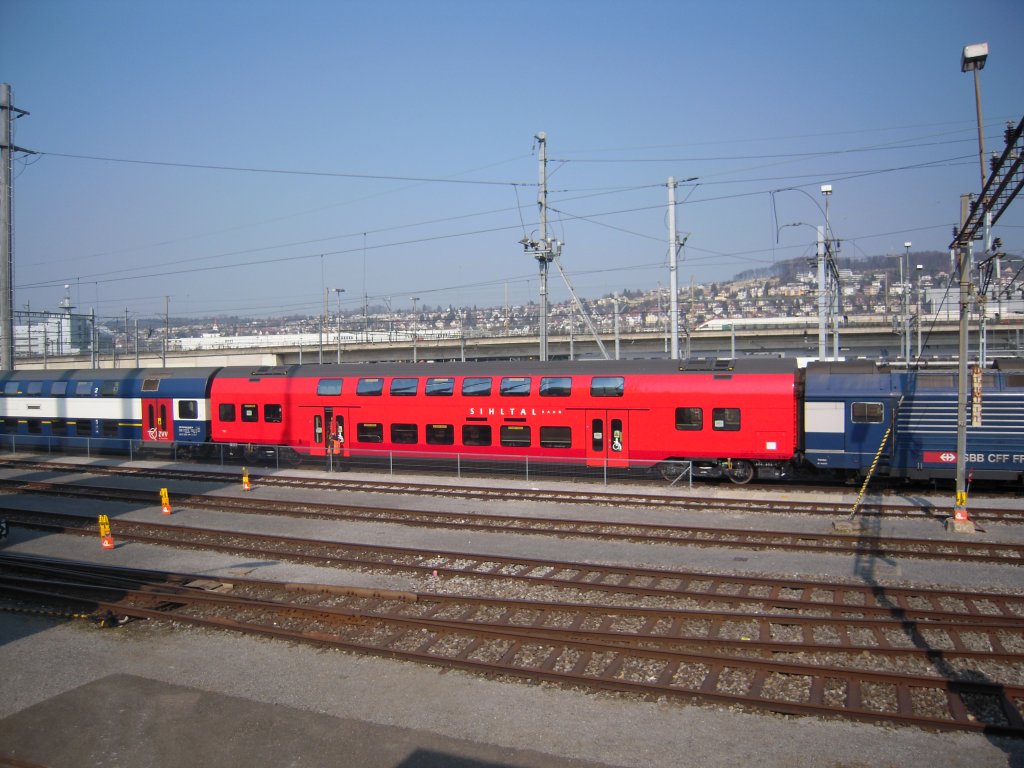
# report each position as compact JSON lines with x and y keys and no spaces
{"x":106,"y":408}
{"x":858,"y":413}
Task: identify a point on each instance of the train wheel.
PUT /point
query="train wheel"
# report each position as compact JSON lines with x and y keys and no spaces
{"x":671,"y":470}
{"x":742,"y":472}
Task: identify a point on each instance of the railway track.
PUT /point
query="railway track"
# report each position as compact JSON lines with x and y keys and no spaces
{"x":864,"y":543}
{"x":939,"y":670}
{"x":581,"y":494}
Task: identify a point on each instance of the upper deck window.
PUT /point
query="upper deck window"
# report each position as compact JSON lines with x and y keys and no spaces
{"x":150,"y":385}
{"x":476,"y":387}
{"x":11,"y":387}
{"x":404,"y":387}
{"x":58,"y":388}
{"x":607,"y":386}
{"x":556,"y":386}
{"x":83,"y":388}
{"x":515,"y":386}
{"x":370,"y":386}
{"x":439,"y":386}
{"x":34,"y":388}
{"x":328,"y":387}
{"x":109,"y":388}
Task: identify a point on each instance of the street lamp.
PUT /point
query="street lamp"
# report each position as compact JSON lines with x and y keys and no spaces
{"x":920,"y":269}
{"x":973,"y":60}
{"x":905,"y":303}
{"x":339,"y":291}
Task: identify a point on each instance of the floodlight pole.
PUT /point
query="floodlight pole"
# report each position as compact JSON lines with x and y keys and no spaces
{"x":673,"y":255}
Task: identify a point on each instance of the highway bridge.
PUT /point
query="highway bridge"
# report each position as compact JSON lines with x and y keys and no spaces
{"x":870,"y":340}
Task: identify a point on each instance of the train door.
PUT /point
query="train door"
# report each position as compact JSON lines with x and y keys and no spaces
{"x":607,"y":438}
{"x":157,"y":419}
{"x":330,"y":432}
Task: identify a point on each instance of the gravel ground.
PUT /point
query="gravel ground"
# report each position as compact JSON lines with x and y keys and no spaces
{"x":74,"y":695}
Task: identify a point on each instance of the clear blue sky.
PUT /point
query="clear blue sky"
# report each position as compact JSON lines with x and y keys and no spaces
{"x":241,"y":156}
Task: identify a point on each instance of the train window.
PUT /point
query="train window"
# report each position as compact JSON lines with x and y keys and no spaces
{"x":725,"y":419}
{"x":476,"y":434}
{"x":83,"y":427}
{"x":34,"y":388}
{"x":515,"y":436}
{"x":689,"y":418}
{"x":109,"y":388}
{"x":35,"y":426}
{"x":370,"y":433}
{"x":10,"y":425}
{"x":607,"y":386}
{"x":370,"y":387}
{"x":58,"y":388}
{"x":405,"y":434}
{"x":440,"y":434}
{"x":188,"y":409}
{"x":83,"y":388}
{"x":150,"y":385}
{"x":226,"y":411}
{"x":867,"y":413}
{"x":515,"y":386}
{"x":936,"y":381}
{"x":318,"y":430}
{"x":250,"y":412}
{"x":328,"y":387}
{"x":108,"y":427}
{"x":59,"y":427}
{"x":273,"y":413}
{"x":443,"y":387}
{"x":476,"y":387}
{"x":11,"y":388}
{"x":555,"y":437}
{"x":560,"y":386}
{"x":404,"y":388}
{"x":597,"y":434}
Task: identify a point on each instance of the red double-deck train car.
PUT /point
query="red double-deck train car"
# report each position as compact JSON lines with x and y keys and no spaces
{"x":733,"y":418}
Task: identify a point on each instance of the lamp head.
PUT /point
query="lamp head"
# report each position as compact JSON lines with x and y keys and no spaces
{"x":973,"y":57}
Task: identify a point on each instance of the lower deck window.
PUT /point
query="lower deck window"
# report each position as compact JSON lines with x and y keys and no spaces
{"x":35,"y":426}
{"x":689,"y":418}
{"x":272,"y":413}
{"x":250,"y":412}
{"x":866,"y":413}
{"x":188,"y":409}
{"x":226,"y":411}
{"x":83,"y":428}
{"x":725,"y":419}
{"x":109,"y":428}
{"x":555,"y":437}
{"x":370,"y":433}
{"x":515,"y":436}
{"x":404,"y":434}
{"x":476,"y":434}
{"x":440,"y":434}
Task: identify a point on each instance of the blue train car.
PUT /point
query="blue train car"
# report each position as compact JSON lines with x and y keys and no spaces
{"x":856,"y":412}
{"x":106,"y":408}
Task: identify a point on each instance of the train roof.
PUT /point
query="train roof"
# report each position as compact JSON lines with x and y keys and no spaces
{"x":106,"y":374}
{"x":525,"y":368}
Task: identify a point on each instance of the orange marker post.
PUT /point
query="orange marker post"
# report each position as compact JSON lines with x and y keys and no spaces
{"x":106,"y":539}
{"x":246,"y":485}
{"x":165,"y":501}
